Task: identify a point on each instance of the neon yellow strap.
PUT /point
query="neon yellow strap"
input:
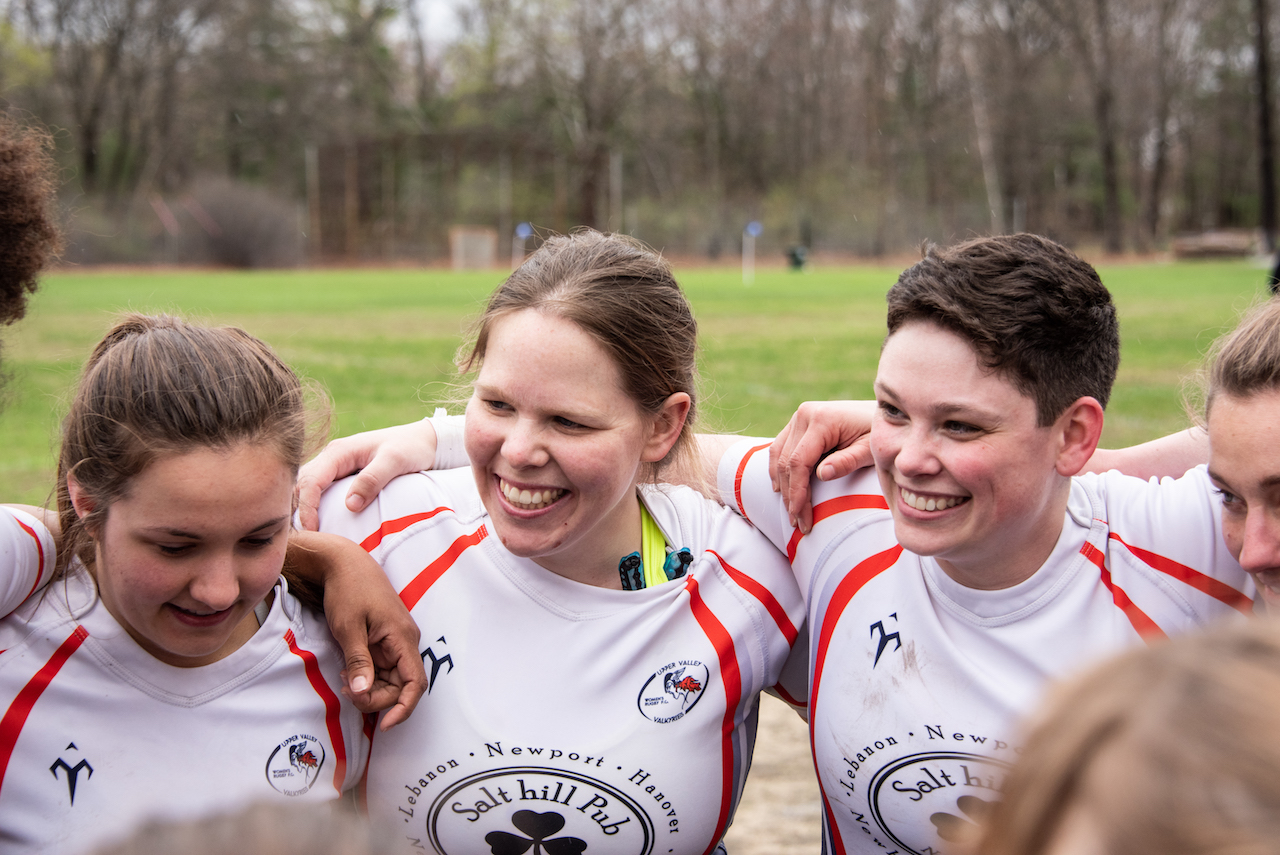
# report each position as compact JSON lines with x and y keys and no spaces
{"x":653,"y":549}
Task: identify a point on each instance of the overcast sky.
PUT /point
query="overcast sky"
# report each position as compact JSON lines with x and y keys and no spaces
{"x":440,"y":22}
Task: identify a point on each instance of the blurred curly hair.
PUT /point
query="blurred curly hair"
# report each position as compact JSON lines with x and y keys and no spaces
{"x":29,"y":233}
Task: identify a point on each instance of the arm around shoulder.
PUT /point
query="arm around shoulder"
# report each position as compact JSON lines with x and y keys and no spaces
{"x":378,"y":637}
{"x":377,"y":456}
{"x":1168,"y":456}
{"x":28,"y":547}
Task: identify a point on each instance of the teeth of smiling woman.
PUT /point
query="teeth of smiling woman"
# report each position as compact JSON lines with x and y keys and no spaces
{"x":529,"y":500}
{"x":923,"y":504}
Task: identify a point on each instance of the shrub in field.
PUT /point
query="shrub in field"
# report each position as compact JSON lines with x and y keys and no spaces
{"x":233,"y":224}
{"x":97,"y":236}
{"x":218,"y":222}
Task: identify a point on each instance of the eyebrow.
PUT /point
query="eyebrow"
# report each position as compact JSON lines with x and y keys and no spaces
{"x":1267,"y":483}
{"x":177,"y":532}
{"x":577,"y":412}
{"x":946,"y":408}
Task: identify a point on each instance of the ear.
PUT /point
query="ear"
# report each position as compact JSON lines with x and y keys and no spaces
{"x":667,"y":424}
{"x":1078,"y":431}
{"x":80,"y":499}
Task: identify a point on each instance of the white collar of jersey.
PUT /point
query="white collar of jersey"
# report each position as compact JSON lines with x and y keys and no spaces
{"x":1007,"y":604}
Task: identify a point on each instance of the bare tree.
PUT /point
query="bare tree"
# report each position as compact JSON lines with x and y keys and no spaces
{"x":86,"y":39}
{"x":1090,"y":28}
{"x":423,"y":76}
{"x":593,"y":57}
{"x":868,"y":123}
{"x":1266,"y":142}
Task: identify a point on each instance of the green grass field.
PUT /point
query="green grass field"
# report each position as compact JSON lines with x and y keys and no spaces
{"x":382,"y":341}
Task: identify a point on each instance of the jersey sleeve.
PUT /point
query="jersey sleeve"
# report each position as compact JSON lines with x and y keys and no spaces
{"x":749,"y":571}
{"x":405,"y":501}
{"x":1170,"y":531}
{"x":854,"y":500}
{"x":26,"y":557}
{"x":742,"y":479}
{"x":793,"y":683}
{"x":762,"y":579}
{"x":349,"y":729}
{"x":335,"y":518}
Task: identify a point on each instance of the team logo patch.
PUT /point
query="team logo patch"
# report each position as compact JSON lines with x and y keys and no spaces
{"x":673,"y":690}
{"x":295,"y":764}
{"x":954,"y":789}
{"x":551,"y":811}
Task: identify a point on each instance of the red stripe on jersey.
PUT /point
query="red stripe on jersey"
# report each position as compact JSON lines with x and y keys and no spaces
{"x":433,"y":571}
{"x":732,"y":678}
{"x":16,"y":716}
{"x":1215,"y":588}
{"x":39,"y":550}
{"x":1145,"y":626}
{"x":786,"y":696}
{"x":860,"y":575}
{"x":362,"y":787}
{"x":737,"y":478}
{"x":831,"y":507}
{"x":332,"y":708}
{"x":763,"y":594}
{"x":389,"y":527}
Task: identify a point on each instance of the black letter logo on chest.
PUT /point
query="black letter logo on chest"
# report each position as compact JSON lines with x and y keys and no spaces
{"x":73,"y":772}
{"x":885,"y":638}
{"x":436,"y":664}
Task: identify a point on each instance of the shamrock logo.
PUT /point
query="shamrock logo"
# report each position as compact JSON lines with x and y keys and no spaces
{"x":954,"y":829}
{"x":538,"y":827}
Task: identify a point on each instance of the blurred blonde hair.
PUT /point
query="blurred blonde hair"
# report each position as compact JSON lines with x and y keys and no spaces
{"x":1167,"y":750}
{"x":268,"y":828}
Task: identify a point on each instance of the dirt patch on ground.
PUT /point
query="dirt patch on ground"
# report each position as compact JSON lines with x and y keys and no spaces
{"x":780,"y":813}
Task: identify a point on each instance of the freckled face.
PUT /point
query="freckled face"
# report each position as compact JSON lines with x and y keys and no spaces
{"x":199,"y":540}
{"x":968,"y":474}
{"x":1244,"y":464}
{"x":556,"y":447}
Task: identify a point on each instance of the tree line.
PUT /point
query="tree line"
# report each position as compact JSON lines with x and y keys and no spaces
{"x":856,"y":125}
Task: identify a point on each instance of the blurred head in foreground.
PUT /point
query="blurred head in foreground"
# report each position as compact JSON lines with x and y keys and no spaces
{"x":1167,"y":750}
{"x":261,"y":829}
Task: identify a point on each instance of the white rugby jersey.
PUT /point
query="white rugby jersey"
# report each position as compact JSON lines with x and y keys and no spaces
{"x":97,"y":735}
{"x":917,"y":682}
{"x":601,"y":721}
{"x":26,"y":555}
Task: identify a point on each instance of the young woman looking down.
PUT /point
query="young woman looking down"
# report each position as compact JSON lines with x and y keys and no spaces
{"x":167,"y":671}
